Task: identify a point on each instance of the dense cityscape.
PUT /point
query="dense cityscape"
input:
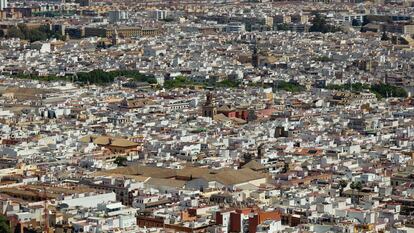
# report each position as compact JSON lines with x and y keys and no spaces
{"x":210,"y":116}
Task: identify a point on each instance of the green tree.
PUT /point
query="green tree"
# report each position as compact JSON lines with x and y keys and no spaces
{"x":384,"y":36}
{"x":342,"y":186}
{"x":14,"y":32}
{"x":45,"y":29}
{"x":98,"y":77}
{"x":120,"y":161}
{"x":23,"y":28}
{"x":319,"y":24}
{"x":385,"y":90}
{"x":356,"y":23}
{"x":289,"y":86}
{"x":36,"y":35}
{"x":381,"y":90}
{"x":177,"y":82}
{"x":323,"y":59}
{"x":356,"y":186}
{"x":282,"y":27}
{"x":227,"y":84}
{"x":4,"y":226}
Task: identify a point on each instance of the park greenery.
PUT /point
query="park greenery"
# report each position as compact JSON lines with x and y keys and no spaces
{"x":36,"y":34}
{"x":98,"y":77}
{"x":282,"y":27}
{"x":178,"y":82}
{"x":101,"y":77}
{"x":385,"y":90}
{"x":182,"y":81}
{"x":319,"y":24}
{"x":4,"y":226}
{"x":323,"y":59}
{"x":355,"y":87}
{"x":49,"y":14}
{"x":381,"y":90}
{"x":52,"y":14}
{"x":356,"y":23}
{"x":120,"y":161}
{"x":227,"y":84}
{"x":290,"y":86}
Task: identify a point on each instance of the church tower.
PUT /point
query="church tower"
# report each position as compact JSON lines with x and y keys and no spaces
{"x":115,"y":38}
{"x":209,"y":108}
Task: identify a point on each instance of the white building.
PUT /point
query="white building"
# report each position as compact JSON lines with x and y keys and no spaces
{"x":88,"y":200}
{"x":3,"y":4}
{"x":117,"y":16}
{"x":235,"y":27}
{"x":270,"y":226}
{"x":141,"y":201}
{"x":159,"y":14}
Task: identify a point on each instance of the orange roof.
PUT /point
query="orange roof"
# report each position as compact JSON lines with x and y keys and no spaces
{"x":307,"y":152}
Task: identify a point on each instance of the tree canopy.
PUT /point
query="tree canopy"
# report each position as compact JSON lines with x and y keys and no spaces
{"x":4,"y":226}
{"x":356,"y":185}
{"x":120,"y":161}
{"x":356,"y":23}
{"x":386,"y":90}
{"x":98,"y":77}
{"x":319,"y":24}
{"x":384,"y":36}
{"x":37,"y":34}
{"x":290,"y":86}
{"x":381,"y":90}
{"x":182,"y":81}
{"x":282,"y":27}
{"x":323,"y":59}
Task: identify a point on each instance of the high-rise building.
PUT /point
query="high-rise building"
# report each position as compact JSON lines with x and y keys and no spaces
{"x":159,"y":14}
{"x":83,"y":2}
{"x":3,"y":4}
{"x":117,"y":16}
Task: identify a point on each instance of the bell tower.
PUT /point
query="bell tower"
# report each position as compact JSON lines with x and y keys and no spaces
{"x":209,"y":108}
{"x":115,"y":38}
